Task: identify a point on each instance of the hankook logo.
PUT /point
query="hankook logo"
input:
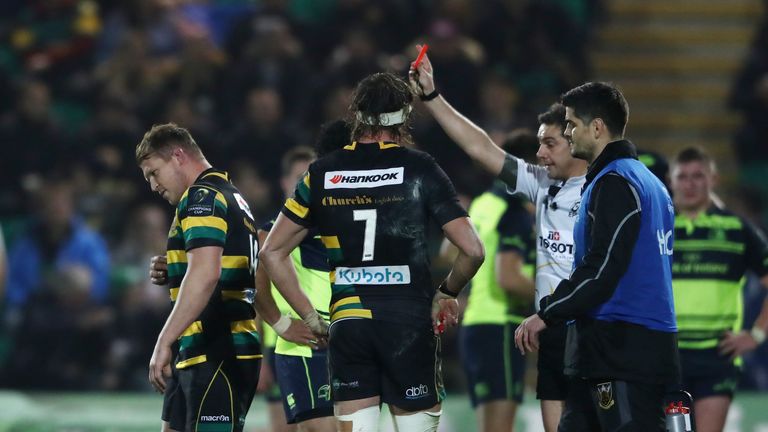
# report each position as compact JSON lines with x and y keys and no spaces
{"x":364,"y":178}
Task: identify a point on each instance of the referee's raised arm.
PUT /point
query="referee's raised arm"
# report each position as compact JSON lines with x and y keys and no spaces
{"x":470,"y":137}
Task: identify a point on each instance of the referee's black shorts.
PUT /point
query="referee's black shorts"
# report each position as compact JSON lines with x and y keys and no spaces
{"x":211,"y":396}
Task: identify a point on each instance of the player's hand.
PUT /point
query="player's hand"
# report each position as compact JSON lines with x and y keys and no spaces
{"x":421,"y":78}
{"x":736,"y":344}
{"x":445,"y":312}
{"x":160,"y":366}
{"x":527,"y":334}
{"x":298,"y":332}
{"x":318,"y":326}
{"x":158,"y":270}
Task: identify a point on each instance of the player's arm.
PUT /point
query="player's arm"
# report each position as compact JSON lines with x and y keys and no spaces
{"x":513,"y":228}
{"x":756,"y":254}
{"x":510,"y":275}
{"x":287,"y":328}
{"x":284,"y":237}
{"x":615,"y":215}
{"x":197,"y":287}
{"x":470,"y":137}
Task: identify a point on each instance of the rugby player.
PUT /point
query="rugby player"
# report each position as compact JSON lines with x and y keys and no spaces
{"x":713,"y":250}
{"x":211,"y":260}
{"x":371,"y":203}
{"x":501,"y":296}
{"x":555,"y":188}
{"x":301,"y":373}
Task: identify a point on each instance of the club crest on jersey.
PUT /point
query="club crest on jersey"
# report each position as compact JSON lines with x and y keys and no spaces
{"x":605,"y":395}
{"x":363,"y":178}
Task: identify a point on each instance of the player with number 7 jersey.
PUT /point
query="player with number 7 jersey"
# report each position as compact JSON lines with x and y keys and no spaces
{"x":371,"y":203}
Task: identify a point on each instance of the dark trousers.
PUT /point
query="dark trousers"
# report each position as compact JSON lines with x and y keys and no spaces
{"x":613,"y":406}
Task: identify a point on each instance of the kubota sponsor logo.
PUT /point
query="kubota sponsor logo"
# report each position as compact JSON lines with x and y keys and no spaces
{"x":363,"y":178}
{"x":377,"y":275}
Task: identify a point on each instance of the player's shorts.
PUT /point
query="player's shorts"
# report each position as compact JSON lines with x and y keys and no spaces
{"x":305,"y":387}
{"x":272,"y":395}
{"x":211,"y":396}
{"x":707,"y":373}
{"x":397,"y":361}
{"x":493,"y":366}
{"x":552,"y":383}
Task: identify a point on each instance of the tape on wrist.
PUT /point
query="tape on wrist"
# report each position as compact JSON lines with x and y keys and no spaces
{"x":281,"y":326}
{"x":758,"y":335}
{"x":443,"y":288}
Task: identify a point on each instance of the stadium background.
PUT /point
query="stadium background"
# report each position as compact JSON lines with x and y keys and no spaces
{"x":80,"y":80}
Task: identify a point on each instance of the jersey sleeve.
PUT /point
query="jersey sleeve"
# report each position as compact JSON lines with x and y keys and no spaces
{"x":202,"y":214}
{"x":530,"y":180}
{"x":756,"y":249}
{"x":514,"y":230}
{"x":296,"y":208}
{"x":440,"y":195}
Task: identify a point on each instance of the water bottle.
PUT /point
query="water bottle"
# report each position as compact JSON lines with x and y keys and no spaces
{"x":675,"y":417}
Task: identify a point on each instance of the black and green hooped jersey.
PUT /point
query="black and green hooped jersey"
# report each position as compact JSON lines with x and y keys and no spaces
{"x":213,"y":213}
{"x":504,"y":225}
{"x":711,"y":254}
{"x":371,"y":204}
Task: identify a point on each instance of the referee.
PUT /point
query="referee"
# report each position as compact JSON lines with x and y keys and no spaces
{"x":621,"y":350}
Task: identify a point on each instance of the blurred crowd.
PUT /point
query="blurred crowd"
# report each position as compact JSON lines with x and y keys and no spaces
{"x":81,"y":80}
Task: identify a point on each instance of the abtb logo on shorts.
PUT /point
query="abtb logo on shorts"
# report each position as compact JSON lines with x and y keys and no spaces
{"x":378,"y":275}
{"x":417,"y":392}
{"x":364,"y":178}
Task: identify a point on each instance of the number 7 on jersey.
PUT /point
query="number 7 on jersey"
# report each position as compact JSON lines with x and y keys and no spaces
{"x":369,"y":241}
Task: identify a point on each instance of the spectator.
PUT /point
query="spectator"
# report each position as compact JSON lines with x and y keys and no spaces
{"x":56,"y":239}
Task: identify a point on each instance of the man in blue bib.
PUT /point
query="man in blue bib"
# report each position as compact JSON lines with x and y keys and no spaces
{"x":621,"y":349}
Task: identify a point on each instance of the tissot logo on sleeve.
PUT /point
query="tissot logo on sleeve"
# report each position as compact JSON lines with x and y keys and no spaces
{"x":363,"y":178}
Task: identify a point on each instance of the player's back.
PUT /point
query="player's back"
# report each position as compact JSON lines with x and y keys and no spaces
{"x":371,"y":204}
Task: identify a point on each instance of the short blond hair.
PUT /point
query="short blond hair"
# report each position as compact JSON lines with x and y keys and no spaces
{"x":161,"y":140}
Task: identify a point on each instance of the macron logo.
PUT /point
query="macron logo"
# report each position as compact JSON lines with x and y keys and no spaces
{"x":363,"y":178}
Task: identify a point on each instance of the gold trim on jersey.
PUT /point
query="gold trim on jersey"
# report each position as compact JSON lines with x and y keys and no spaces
{"x":223,"y":175}
{"x":297,"y":209}
{"x":234,"y":295}
{"x":244,"y":326}
{"x":204,"y":221}
{"x":174,"y":293}
{"x":306,"y":180}
{"x":330,"y":242}
{"x":250,"y":357}
{"x":176,"y":256}
{"x":191,"y":361}
{"x":352,"y":313}
{"x":384,"y":146}
{"x":235,"y":262}
{"x":344,"y":301}
{"x":194,"y":328}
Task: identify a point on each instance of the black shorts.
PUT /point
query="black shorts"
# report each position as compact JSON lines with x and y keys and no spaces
{"x":211,"y":396}
{"x":552,"y":383}
{"x":494,"y":367}
{"x":398,"y":362}
{"x":272,"y":395}
{"x":707,"y":373}
{"x":305,"y":387}
{"x":610,"y":405}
